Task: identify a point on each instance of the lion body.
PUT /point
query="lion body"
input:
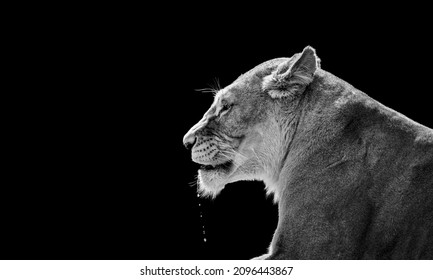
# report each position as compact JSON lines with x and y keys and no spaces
{"x":361,"y":189}
{"x":353,"y":179}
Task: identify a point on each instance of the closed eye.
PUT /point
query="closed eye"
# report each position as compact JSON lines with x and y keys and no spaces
{"x":226,"y":107}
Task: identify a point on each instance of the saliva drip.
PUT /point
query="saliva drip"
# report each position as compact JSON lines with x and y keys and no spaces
{"x":201,"y":220}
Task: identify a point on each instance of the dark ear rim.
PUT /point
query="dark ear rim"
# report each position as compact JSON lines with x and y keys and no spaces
{"x":292,"y":77}
{"x":306,"y":62}
{"x":308,"y":50}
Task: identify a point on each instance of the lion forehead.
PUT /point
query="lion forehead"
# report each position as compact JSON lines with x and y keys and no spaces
{"x":255,"y":76}
{"x":249,"y":80}
{"x":263,"y":69}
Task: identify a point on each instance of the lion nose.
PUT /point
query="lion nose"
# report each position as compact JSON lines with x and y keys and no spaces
{"x":189,"y":140}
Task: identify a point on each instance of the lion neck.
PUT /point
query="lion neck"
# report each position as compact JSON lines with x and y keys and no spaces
{"x":283,"y":128}
{"x":303,"y":126}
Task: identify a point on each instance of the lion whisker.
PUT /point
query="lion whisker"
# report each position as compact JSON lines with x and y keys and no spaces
{"x":206,"y":90}
{"x":195,"y":182}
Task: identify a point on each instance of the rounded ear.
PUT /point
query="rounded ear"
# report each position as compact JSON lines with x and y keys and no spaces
{"x":293,"y":76}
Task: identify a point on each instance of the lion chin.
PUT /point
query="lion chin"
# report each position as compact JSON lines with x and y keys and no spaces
{"x":212,"y":179}
{"x":210,"y":183}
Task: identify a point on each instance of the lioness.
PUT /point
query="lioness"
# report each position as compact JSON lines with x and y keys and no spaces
{"x":353,"y":179}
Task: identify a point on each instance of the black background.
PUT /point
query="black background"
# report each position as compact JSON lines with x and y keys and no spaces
{"x":98,"y":168}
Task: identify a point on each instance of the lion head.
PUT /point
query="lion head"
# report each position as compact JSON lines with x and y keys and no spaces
{"x":246,"y":132}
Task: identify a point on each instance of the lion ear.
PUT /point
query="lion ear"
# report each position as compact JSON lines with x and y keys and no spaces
{"x":292,"y":77}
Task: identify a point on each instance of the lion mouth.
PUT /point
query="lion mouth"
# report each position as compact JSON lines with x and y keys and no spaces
{"x":225,"y":167}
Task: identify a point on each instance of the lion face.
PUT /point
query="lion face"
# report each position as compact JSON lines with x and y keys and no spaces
{"x":230,"y":135}
{"x":239,"y":137}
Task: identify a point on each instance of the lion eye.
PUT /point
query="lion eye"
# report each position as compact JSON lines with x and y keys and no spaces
{"x":226,"y":107}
